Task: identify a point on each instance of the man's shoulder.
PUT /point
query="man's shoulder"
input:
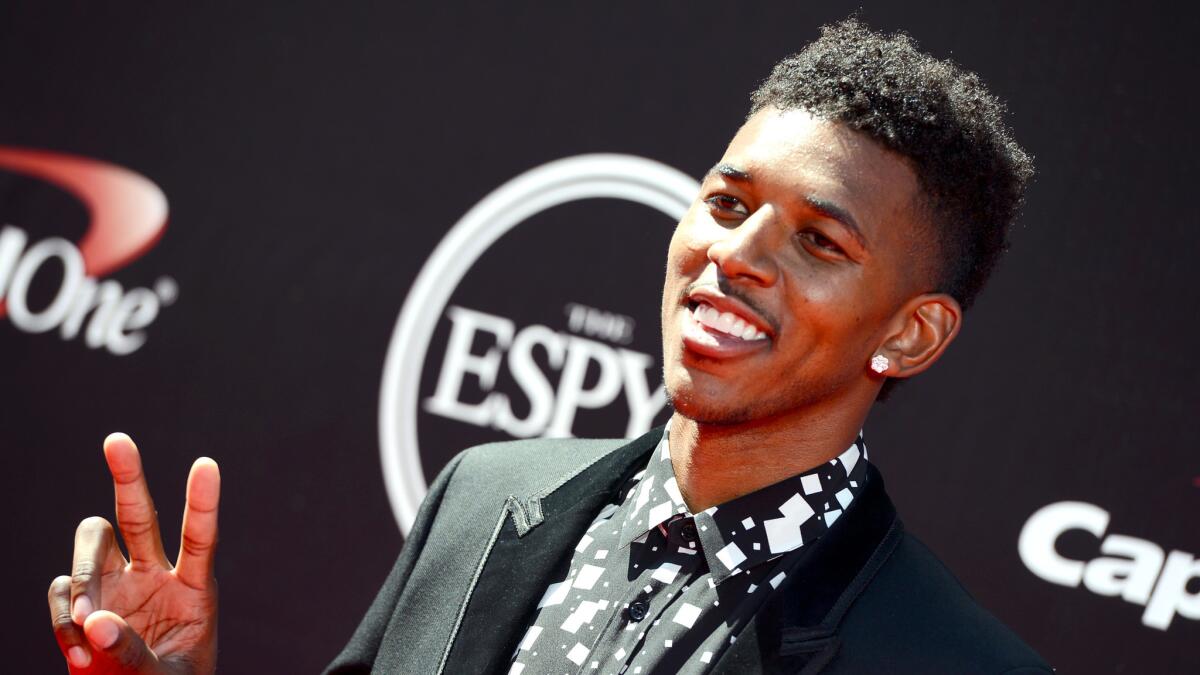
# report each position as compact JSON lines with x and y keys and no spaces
{"x":916,"y":614}
{"x":559,"y":451}
{"x":530,"y":466}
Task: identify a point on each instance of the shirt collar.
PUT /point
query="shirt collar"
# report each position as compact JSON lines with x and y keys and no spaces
{"x":755,"y":527}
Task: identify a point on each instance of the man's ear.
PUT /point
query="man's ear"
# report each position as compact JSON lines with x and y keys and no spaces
{"x":927,"y":324}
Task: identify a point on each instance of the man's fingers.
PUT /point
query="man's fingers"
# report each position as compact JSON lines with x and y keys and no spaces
{"x":69,"y":635}
{"x":116,"y":647}
{"x":199,"y":540}
{"x":95,"y":553}
{"x":135,"y":509}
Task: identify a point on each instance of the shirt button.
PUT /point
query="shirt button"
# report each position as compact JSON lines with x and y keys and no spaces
{"x":638,"y":609}
{"x":688,"y":532}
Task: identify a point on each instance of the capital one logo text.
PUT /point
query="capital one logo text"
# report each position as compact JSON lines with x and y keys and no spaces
{"x":1133,"y":569}
{"x":127,"y":215}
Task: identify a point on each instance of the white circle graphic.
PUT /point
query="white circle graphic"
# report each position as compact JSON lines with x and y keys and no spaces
{"x":611,"y":176}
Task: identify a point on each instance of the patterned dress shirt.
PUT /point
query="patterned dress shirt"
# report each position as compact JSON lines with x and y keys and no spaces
{"x":654,"y":588}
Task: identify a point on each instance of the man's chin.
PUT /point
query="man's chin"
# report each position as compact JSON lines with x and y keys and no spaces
{"x":708,"y":410}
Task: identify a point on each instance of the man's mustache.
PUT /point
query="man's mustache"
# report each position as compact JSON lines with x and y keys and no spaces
{"x":729,"y":290}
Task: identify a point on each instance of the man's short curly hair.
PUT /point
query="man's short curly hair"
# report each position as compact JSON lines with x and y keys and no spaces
{"x":938,"y":116}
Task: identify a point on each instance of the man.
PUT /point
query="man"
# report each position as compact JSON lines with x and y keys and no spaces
{"x":831,"y":251}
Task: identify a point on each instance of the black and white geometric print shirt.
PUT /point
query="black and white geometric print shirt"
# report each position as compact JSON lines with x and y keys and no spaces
{"x":653,"y":588}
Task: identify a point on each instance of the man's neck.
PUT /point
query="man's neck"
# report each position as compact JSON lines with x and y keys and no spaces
{"x":717,"y":463}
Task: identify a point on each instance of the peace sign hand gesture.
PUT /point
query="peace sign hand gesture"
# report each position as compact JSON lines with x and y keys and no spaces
{"x":142,"y":615}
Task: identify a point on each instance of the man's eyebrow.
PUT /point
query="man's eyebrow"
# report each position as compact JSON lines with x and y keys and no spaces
{"x":834,"y":212}
{"x":730,"y":171}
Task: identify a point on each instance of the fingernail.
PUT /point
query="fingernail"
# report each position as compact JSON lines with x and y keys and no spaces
{"x":81,"y":609}
{"x":104,"y":633}
{"x":78,"y":657}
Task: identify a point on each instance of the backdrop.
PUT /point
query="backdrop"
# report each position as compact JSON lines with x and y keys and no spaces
{"x":212,"y":219}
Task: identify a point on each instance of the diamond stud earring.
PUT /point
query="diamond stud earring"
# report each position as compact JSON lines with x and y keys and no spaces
{"x":880,"y":363}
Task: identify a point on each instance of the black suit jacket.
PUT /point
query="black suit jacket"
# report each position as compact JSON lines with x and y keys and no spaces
{"x":500,"y":523}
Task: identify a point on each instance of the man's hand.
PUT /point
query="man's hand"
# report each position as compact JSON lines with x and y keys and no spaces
{"x":142,"y":615}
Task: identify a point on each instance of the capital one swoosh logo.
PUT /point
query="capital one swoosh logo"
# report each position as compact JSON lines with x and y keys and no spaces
{"x":127,"y":216}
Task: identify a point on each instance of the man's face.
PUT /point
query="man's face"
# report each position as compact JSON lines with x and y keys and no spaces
{"x":783,"y":275}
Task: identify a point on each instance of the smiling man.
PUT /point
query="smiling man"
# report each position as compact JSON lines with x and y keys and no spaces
{"x":830,"y":252}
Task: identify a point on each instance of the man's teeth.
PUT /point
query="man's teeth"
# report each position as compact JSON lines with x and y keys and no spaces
{"x":726,"y":322}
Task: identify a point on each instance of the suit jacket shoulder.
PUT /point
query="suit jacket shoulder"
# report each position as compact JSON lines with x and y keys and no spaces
{"x":417,"y":614}
{"x":915,"y":616}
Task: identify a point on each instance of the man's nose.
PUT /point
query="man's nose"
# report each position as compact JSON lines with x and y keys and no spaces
{"x":747,"y":252}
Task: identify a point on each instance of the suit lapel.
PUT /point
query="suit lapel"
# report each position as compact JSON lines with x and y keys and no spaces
{"x":531,"y":547}
{"x":796,"y":630}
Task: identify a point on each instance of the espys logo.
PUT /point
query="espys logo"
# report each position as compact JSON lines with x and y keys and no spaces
{"x":1134,"y":569}
{"x":127,"y":215}
{"x":596,"y":367}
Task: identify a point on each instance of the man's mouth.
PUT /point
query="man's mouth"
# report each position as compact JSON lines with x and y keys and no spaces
{"x":709,"y":332}
{"x":726,"y":323}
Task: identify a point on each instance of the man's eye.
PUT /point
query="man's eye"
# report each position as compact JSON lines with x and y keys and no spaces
{"x":728,"y":204}
{"x":821,"y":241}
